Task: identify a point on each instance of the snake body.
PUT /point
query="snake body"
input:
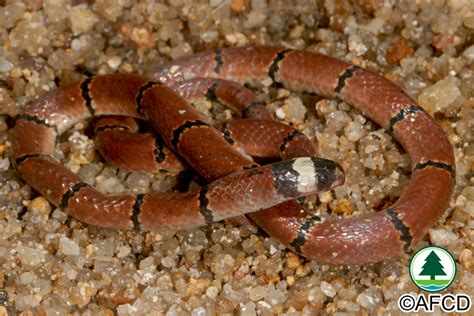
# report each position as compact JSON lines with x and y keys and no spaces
{"x":238,"y":190}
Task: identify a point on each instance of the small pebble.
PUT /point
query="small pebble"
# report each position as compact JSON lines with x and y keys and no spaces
{"x":280,"y":113}
{"x":82,"y":19}
{"x":327,"y":289}
{"x":5,"y":65}
{"x":369,"y":299}
{"x":30,"y":256}
{"x":293,"y":261}
{"x":443,"y":237}
{"x":258,"y":293}
{"x":212,"y":292}
{"x":440,"y":95}
{"x":41,"y":205}
{"x":248,"y":309}
{"x":466,"y":258}
{"x":68,"y":247}
{"x":168,"y":262}
{"x":114,"y":62}
{"x":238,"y":5}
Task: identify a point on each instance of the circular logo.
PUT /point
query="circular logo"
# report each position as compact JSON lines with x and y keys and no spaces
{"x":432,"y":269}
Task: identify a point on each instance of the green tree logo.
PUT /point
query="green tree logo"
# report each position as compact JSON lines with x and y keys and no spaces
{"x":432,"y":269}
{"x":432,"y":266}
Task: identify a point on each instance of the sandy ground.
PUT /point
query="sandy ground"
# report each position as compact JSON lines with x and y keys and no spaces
{"x":52,"y":264}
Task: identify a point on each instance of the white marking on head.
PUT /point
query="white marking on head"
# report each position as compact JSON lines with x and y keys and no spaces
{"x":306,"y":174}
{"x":174,"y":69}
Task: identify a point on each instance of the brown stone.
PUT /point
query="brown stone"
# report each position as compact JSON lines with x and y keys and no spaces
{"x":443,"y":41}
{"x":238,"y":5}
{"x":398,"y":51}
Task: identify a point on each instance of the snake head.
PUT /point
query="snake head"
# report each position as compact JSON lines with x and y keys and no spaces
{"x":306,"y":175}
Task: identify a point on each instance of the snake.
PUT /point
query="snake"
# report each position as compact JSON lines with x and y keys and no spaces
{"x":266,"y":194}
